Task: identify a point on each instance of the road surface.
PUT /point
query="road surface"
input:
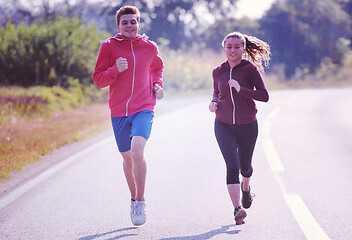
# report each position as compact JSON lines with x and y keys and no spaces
{"x":302,"y":179}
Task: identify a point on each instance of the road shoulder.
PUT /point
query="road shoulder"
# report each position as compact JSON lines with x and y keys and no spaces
{"x":30,"y":171}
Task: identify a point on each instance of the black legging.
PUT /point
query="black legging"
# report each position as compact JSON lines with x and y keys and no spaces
{"x":237,"y":144}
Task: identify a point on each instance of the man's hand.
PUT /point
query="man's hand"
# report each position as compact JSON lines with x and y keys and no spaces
{"x":158,"y":92}
{"x":121,"y":64}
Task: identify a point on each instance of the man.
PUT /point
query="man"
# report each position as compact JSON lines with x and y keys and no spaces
{"x":130,"y":65}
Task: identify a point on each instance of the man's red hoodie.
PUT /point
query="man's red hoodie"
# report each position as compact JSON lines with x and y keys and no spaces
{"x":130,"y":91}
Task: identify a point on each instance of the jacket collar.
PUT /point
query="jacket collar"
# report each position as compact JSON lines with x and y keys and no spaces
{"x":121,"y":38}
{"x":226,"y":64}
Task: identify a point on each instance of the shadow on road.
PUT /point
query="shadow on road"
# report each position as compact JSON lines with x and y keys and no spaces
{"x":111,"y":232}
{"x":207,"y":235}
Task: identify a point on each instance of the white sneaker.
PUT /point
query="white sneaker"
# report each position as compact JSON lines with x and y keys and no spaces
{"x":138,"y":215}
{"x":132,"y":209}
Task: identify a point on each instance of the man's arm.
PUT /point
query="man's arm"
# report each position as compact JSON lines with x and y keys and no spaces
{"x":104,"y":74}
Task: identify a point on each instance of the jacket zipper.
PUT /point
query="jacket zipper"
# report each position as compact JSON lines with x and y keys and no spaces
{"x":233,"y":102}
{"x":134,"y":69}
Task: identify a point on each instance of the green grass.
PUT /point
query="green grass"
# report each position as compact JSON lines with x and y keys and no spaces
{"x":35,"y":121}
{"x":38,"y":102}
{"x":24,"y":141}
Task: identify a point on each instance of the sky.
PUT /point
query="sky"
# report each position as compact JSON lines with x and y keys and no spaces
{"x":253,"y":8}
{"x":250,"y":8}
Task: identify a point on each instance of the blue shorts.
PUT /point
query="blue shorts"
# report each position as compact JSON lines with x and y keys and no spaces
{"x":138,"y":124}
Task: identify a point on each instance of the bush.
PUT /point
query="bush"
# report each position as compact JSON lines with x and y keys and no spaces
{"x":329,"y":73}
{"x":49,"y":54}
{"x":41,"y":101}
{"x":189,"y":71}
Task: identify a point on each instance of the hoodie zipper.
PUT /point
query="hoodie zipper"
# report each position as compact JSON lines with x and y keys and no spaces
{"x":233,"y":101}
{"x":134,"y":70}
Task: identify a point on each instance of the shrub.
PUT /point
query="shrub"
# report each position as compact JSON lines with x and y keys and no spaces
{"x":41,"y":101}
{"x":49,"y":54}
{"x":189,"y":71}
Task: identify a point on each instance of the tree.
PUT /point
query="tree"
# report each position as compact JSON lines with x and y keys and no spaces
{"x":178,"y":21}
{"x":303,"y":32}
{"x":220,"y":28}
{"x":182,"y":22}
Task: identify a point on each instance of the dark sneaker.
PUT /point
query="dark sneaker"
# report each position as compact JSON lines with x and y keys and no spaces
{"x":240,"y":214}
{"x":247,"y":197}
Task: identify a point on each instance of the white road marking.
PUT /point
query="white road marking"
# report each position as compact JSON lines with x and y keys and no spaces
{"x":300,"y":211}
{"x":272,"y":156}
{"x":305,"y":219}
{"x":268,"y":145}
{"x":12,"y":196}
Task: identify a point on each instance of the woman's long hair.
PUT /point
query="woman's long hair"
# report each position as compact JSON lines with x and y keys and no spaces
{"x":257,"y":51}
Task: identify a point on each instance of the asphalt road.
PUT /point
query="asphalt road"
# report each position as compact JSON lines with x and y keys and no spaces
{"x":302,"y":179}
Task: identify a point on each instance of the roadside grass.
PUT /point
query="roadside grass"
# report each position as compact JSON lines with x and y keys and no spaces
{"x":328,"y":75}
{"x":37,"y":102}
{"x":35,"y":121}
{"x":273,"y":83}
{"x":25,"y":141}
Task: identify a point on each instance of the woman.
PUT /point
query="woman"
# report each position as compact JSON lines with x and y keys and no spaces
{"x":237,"y":83}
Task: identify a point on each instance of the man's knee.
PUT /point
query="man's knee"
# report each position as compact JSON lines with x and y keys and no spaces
{"x":127,"y":159}
{"x":137,"y":148}
{"x":137,"y":154}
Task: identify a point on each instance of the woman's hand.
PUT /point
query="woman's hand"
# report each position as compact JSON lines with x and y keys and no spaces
{"x":213,"y":106}
{"x":233,"y":83}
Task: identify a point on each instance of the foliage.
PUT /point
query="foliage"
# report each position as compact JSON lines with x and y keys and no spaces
{"x":212,"y":37}
{"x":300,"y":32}
{"x":330,"y":73}
{"x":179,"y":21}
{"x":40,"y":101}
{"x":49,"y":54}
{"x":189,"y":71}
{"x":303,"y":32}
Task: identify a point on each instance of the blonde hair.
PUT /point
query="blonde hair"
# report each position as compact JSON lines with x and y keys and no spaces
{"x":256,"y":50}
